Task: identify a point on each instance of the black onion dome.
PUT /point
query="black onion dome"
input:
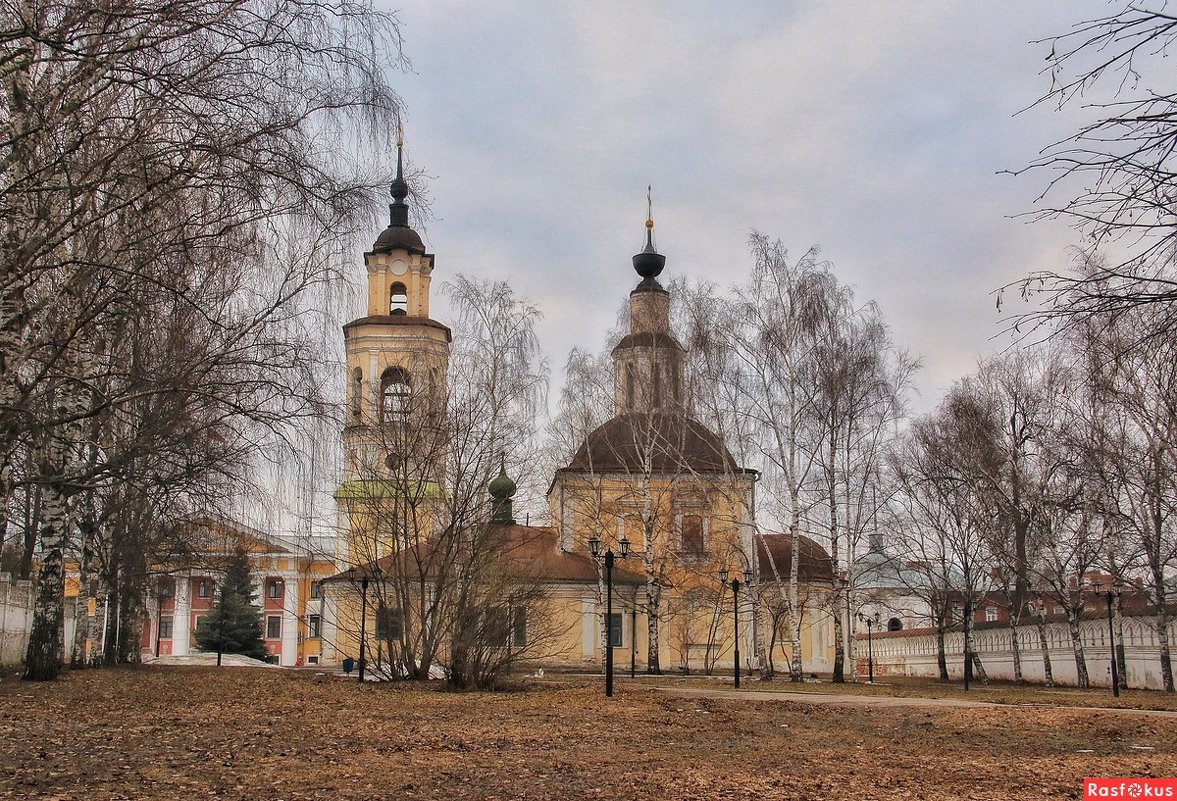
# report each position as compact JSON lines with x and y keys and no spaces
{"x":653,"y":441}
{"x":649,"y":263}
{"x":398,"y":235}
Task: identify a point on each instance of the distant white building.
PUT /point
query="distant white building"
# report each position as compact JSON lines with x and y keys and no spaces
{"x":887,"y":591}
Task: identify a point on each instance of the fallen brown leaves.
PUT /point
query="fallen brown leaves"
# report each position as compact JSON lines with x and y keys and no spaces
{"x":165,"y":733}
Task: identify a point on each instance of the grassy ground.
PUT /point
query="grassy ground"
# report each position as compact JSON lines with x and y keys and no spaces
{"x":164,"y":733}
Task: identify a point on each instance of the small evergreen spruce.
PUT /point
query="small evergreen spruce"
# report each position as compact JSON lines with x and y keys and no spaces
{"x":234,"y":621}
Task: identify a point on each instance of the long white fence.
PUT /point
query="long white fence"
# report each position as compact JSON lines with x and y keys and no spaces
{"x":914,"y":653}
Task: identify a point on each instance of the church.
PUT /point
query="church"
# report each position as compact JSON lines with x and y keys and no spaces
{"x":651,"y":519}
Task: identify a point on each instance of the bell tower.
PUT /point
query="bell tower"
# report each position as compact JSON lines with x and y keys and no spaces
{"x":397,"y":364}
{"x":648,"y":361}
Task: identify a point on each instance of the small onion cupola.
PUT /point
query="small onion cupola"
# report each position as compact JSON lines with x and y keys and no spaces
{"x":398,"y":235}
{"x":649,"y":263}
{"x":502,"y":489}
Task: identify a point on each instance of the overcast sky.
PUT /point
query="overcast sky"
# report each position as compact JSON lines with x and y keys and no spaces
{"x":876,"y":130}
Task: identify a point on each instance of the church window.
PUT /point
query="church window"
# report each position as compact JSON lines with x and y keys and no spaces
{"x":657,"y":393}
{"x":629,"y":386}
{"x":692,"y":533}
{"x":894,"y":624}
{"x":519,"y":628}
{"x":395,"y":394}
{"x":497,"y":628}
{"x":388,"y":624}
{"x":675,"y":382}
{"x":616,"y":630}
{"x":990,"y":614}
{"x":398,"y":299}
{"x":357,"y":391}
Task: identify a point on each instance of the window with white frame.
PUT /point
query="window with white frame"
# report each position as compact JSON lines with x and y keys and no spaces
{"x":990,"y":614}
{"x":519,"y":628}
{"x":617,"y":630}
{"x":314,"y":622}
{"x":389,"y":624}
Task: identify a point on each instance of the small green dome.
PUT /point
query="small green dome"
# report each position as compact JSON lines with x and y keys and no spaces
{"x":502,"y":487}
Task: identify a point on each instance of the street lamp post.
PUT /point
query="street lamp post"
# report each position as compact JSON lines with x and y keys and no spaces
{"x":363,"y":624}
{"x":221,"y":627}
{"x":595,"y":548}
{"x":1112,"y":641}
{"x":870,"y":646}
{"x":351,"y":574}
{"x":967,"y":625}
{"x":735,"y":585}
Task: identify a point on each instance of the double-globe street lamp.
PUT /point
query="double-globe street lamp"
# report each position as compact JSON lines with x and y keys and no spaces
{"x":735,"y":585}
{"x":351,"y":575}
{"x":871,"y":622}
{"x":594,"y":544}
{"x":1111,"y":594}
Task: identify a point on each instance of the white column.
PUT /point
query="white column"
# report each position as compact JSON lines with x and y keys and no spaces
{"x":328,"y":631}
{"x":290,"y":619}
{"x":589,"y":635}
{"x":151,"y":625}
{"x":182,"y":616}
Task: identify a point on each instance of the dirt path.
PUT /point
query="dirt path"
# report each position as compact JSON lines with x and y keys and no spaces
{"x":886,"y":701}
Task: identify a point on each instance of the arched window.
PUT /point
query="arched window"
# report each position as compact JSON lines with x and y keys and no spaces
{"x":629,"y":386}
{"x":357,"y":391}
{"x":395,"y":395}
{"x":894,"y":624}
{"x":675,"y":382}
{"x":398,"y":299}
{"x":657,"y":393}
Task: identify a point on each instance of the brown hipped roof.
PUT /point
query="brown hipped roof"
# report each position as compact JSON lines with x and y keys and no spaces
{"x":654,"y":442}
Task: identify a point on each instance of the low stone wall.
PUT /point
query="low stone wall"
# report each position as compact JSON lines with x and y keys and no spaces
{"x":903,"y":653}
{"x":16,"y":618}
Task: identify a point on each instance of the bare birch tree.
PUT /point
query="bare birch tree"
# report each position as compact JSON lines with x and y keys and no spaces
{"x":145,"y":138}
{"x":1113,"y":177}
